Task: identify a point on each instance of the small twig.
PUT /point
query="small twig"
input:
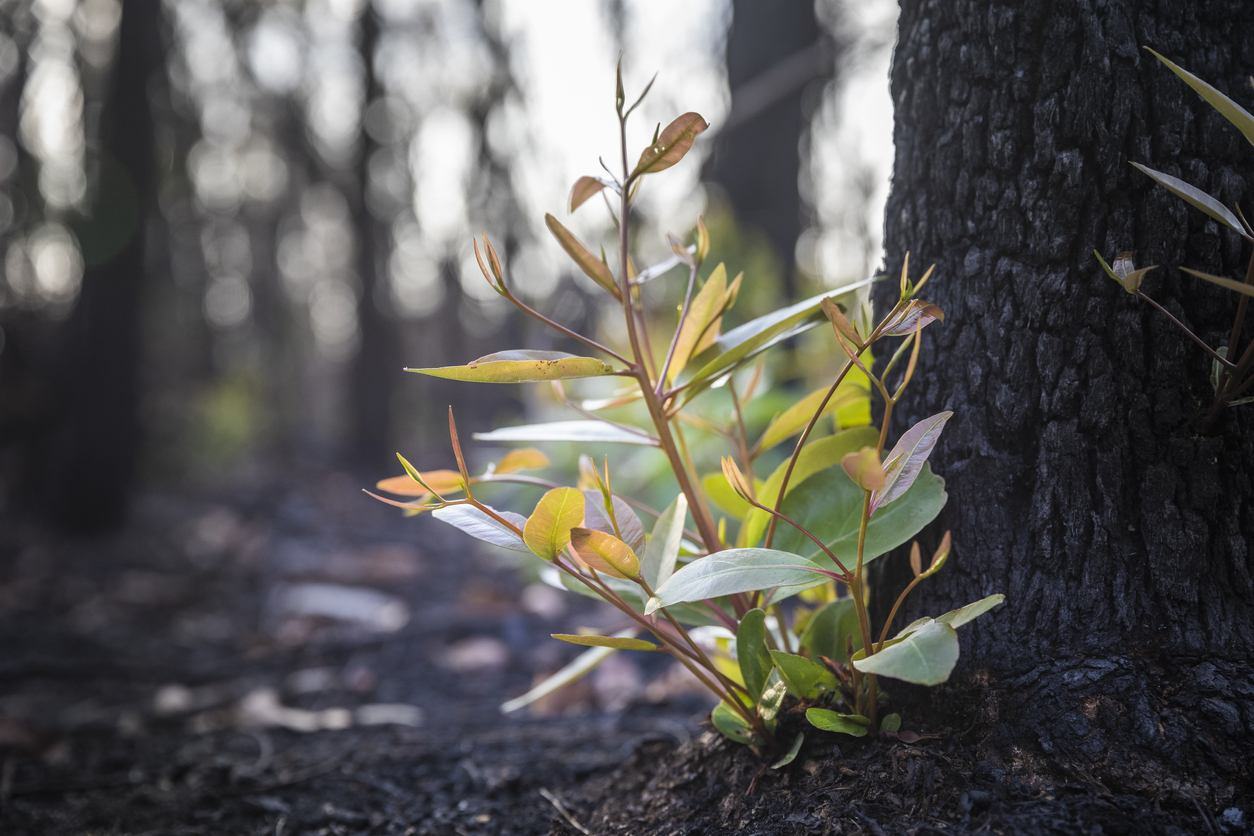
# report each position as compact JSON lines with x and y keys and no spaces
{"x":561,"y":808}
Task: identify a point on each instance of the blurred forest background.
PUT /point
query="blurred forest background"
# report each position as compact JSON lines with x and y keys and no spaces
{"x":227,"y":225}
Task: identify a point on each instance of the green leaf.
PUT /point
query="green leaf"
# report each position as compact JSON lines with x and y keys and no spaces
{"x":724,"y":496}
{"x":829,"y":505}
{"x":891,"y":723}
{"x":737,"y":570}
{"x":548,"y":528}
{"x":827,"y":720}
{"x":658,"y":561}
{"x":906,"y":460}
{"x":479,"y":525}
{"x":794,"y":419}
{"x":751,"y":652}
{"x":521,"y":367}
{"x":742,"y":344}
{"x":732,"y":726}
{"x":581,"y":664}
{"x":593,"y":267}
{"x":1230,"y":110}
{"x":1239,"y":287}
{"x":815,"y":456}
{"x":604,"y":552}
{"x":970,"y":612}
{"x":1196,"y":198}
{"x":789,"y":756}
{"x":629,"y":525}
{"x":671,"y":144}
{"x":925,"y":657}
{"x":616,"y":642}
{"x":773,"y":692}
{"x":585,"y":431}
{"x":826,"y":631}
{"x":806,"y":680}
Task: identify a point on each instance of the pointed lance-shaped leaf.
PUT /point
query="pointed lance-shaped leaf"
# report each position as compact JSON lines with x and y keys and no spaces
{"x":437,"y":482}
{"x":704,"y":309}
{"x":907,"y":457}
{"x":752,"y":654}
{"x":585,"y":187}
{"x":662,"y":551}
{"x":794,"y":419}
{"x":839,"y":321}
{"x":1239,"y":287}
{"x":1230,"y":110}
{"x":585,"y":431}
{"x":671,"y":144}
{"x":582,"y":663}
{"x":629,"y":526}
{"x":547,"y":530}
{"x":915,"y":315}
{"x":738,"y":570}
{"x":616,"y":642}
{"x":480,"y":525}
{"x":703,"y":240}
{"x":592,"y":266}
{"x":604,"y":553}
{"x":522,"y":366}
{"x":1196,"y":198}
{"x":938,"y":558}
{"x":828,"y":720}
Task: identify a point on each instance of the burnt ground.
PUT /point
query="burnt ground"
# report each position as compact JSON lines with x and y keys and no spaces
{"x":305,"y":662}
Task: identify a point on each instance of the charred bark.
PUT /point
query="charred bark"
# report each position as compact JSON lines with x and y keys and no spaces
{"x":1078,"y":484}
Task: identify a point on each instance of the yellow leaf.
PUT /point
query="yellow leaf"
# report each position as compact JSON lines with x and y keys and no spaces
{"x":619,"y":642}
{"x":527,"y":458}
{"x":547,"y":531}
{"x":441,"y":481}
{"x":792,"y":420}
{"x":703,"y":310}
{"x":864,"y":468}
{"x":604,"y":553}
{"x":522,"y":366}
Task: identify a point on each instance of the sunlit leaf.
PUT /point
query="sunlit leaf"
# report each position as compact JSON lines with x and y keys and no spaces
{"x":830,"y":506}
{"x":828,"y":720}
{"x":805,"y":679}
{"x":522,"y":366}
{"x":794,"y":419}
{"x":742,"y":344}
{"x":629,"y":525}
{"x":970,"y":612}
{"x":723,"y":495}
{"x":925,"y":657}
{"x":592,"y":266}
{"x":732,"y":726}
{"x":1239,"y":287}
{"x":737,"y":570}
{"x":826,"y":631}
{"x":1230,"y":110}
{"x":587,"y":431}
{"x":604,"y":552}
{"x":527,"y":458}
{"x":582,"y":663}
{"x":772,"y":699}
{"x":441,"y":481}
{"x":815,"y":456}
{"x":706,"y":307}
{"x":907,"y":458}
{"x":479,"y":525}
{"x":547,"y":531}
{"x":617,"y":642}
{"x":658,"y":561}
{"x":1196,"y":198}
{"x":751,"y":652}
{"x":584,"y":188}
{"x":671,"y":144}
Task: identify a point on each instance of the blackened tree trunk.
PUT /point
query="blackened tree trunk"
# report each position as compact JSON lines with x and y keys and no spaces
{"x":1078,"y":483}
{"x":93,"y":446}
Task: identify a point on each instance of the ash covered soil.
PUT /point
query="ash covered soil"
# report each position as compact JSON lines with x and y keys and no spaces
{"x":303,"y":661}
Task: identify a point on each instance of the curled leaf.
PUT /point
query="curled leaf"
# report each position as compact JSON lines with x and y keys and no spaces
{"x":864,"y":468}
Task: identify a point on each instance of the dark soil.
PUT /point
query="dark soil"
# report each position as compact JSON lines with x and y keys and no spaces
{"x":151,"y":683}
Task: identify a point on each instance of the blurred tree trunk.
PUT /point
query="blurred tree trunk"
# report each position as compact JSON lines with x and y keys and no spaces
{"x":1078,"y":485}
{"x":377,"y":366}
{"x":94,"y":443}
{"x":773,"y":50}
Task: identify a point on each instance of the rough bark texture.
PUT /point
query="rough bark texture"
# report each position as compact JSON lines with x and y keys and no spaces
{"x":1078,"y":485}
